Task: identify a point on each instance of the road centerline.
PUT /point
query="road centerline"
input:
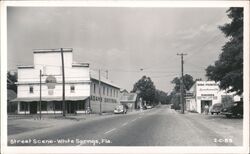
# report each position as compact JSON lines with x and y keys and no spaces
{"x":124,"y":124}
{"x":110,"y":131}
{"x":133,"y":120}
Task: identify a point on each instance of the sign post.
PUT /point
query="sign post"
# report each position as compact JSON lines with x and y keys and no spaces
{"x":40,"y":102}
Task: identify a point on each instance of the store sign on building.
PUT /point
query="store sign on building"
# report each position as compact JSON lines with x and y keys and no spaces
{"x":51,"y":83}
{"x":207,"y":91}
{"x":207,"y":97}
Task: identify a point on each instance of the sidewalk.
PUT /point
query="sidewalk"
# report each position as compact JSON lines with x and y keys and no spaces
{"x":76,"y":117}
{"x":18,"y":124}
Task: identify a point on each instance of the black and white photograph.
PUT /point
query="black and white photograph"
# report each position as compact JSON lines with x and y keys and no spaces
{"x":118,"y":75}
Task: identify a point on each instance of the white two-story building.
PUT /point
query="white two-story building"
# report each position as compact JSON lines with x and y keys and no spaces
{"x":80,"y":85}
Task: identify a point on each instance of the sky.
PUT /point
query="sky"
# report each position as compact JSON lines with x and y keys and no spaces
{"x":128,"y":42}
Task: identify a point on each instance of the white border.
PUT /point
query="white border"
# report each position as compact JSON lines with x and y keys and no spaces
{"x":155,"y":149}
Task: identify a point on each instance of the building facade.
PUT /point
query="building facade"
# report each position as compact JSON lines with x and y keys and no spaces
{"x":205,"y":93}
{"x":131,"y":100}
{"x":80,"y":86}
{"x":105,"y":93}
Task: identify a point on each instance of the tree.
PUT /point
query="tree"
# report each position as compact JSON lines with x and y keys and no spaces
{"x":227,"y":100}
{"x":175,"y":100}
{"x":11,"y":79}
{"x":228,"y":69}
{"x":146,"y":89}
{"x":187,"y":80}
{"x":161,"y":96}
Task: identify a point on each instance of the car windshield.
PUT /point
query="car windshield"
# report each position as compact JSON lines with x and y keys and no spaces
{"x":217,"y":107}
{"x":119,"y":107}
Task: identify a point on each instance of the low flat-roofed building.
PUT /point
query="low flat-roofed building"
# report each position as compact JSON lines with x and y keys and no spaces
{"x":205,"y":93}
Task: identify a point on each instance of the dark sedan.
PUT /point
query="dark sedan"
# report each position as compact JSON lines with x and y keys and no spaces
{"x":216,"y":108}
{"x":233,"y":110}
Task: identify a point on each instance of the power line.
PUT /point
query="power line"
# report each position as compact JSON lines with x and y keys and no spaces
{"x":202,"y":46}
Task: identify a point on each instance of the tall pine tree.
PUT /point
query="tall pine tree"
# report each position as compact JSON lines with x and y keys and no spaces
{"x":228,"y":70}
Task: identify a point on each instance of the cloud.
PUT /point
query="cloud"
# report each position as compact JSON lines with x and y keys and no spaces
{"x":118,"y":38}
{"x":195,"y":33}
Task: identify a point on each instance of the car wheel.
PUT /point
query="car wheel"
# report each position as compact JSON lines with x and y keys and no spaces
{"x":212,"y":113}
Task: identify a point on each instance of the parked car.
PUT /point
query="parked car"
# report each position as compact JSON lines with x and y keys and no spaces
{"x":120,"y":109}
{"x":216,"y":108}
{"x":233,"y":110}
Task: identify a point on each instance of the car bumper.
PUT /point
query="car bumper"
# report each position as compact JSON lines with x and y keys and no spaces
{"x":226,"y":113}
{"x":117,"y":112}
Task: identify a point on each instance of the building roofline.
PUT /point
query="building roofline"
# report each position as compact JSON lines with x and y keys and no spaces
{"x":94,"y":76}
{"x":80,"y":64}
{"x":105,"y":82}
{"x":52,"y":50}
{"x":24,"y":66}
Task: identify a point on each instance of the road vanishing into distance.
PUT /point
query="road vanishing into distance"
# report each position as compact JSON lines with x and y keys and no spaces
{"x":160,"y":126}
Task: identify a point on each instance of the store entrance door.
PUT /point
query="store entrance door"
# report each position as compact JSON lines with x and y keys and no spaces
{"x":33,"y":107}
{"x":71,"y":107}
{"x":204,"y":103}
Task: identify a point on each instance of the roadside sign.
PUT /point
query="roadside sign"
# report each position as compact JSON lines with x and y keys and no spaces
{"x":51,"y":82}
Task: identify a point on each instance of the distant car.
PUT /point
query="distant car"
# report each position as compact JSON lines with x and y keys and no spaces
{"x":216,"y":108}
{"x":143,"y":107}
{"x":120,"y":109}
{"x":149,"y":107}
{"x":172,"y":106}
{"x":233,"y":110}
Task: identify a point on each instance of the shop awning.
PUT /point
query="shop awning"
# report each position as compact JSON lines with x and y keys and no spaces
{"x":47,"y":99}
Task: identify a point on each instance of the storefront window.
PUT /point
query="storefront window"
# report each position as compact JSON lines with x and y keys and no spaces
{"x":81,"y":106}
{"x":44,"y":106}
{"x":58,"y":106}
{"x":23,"y":106}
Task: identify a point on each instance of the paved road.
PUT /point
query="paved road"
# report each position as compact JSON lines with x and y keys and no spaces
{"x":156,"y":127}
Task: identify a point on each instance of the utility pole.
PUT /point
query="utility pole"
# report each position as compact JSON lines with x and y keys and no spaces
{"x":100,"y":91}
{"x":182,"y":83}
{"x":40,"y":102}
{"x":63,"y":85}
